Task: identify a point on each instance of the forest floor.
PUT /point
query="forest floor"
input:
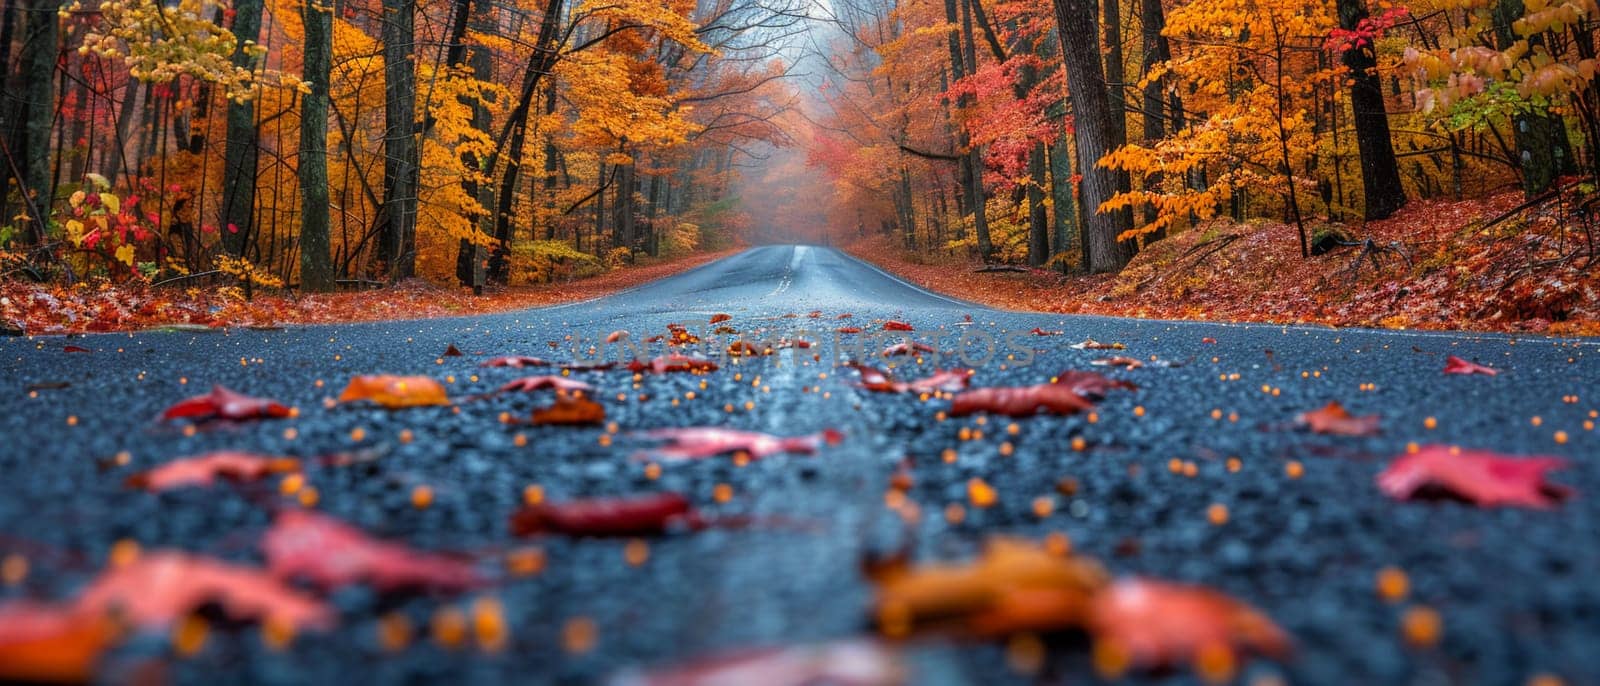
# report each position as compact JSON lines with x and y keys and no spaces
{"x":1535,"y":272}
{"x":33,"y":308}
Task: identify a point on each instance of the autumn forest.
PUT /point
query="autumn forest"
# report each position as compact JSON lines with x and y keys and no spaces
{"x":261,"y":146}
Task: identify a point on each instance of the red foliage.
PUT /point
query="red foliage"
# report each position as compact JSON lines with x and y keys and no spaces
{"x":333,"y":554}
{"x":948,"y":380}
{"x":845,"y":663}
{"x":515,"y":362}
{"x":161,"y":587}
{"x":1335,"y":420}
{"x":204,"y":470}
{"x":674,"y":362}
{"x":642,"y":515}
{"x":1091,"y":385}
{"x":1456,"y":365}
{"x":1161,"y":624}
{"x":1485,"y":478}
{"x":897,"y":325}
{"x":1023,"y":401}
{"x":707,"y":441}
{"x":222,"y":403}
{"x":528,"y":384}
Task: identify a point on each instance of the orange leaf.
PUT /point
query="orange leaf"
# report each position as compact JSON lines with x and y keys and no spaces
{"x":395,"y":391}
{"x":222,"y":403}
{"x":1012,"y":586}
{"x":570,"y":409}
{"x":719,"y":317}
{"x":897,"y":325}
{"x":50,"y":643}
{"x":204,"y":470}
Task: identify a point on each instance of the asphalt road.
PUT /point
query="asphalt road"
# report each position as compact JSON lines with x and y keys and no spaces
{"x":1516,"y":588}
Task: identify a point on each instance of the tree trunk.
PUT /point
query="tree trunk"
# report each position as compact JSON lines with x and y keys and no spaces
{"x":1155,"y":111}
{"x":1063,"y":200}
{"x":241,"y":153}
{"x":1075,"y":22}
{"x":976,"y":196}
{"x":397,"y":227}
{"x":1038,"y":218}
{"x":1541,"y":138}
{"x":1114,"y":75}
{"x":32,"y":155}
{"x":540,"y":62}
{"x":1380,"y":172}
{"x":316,"y":265}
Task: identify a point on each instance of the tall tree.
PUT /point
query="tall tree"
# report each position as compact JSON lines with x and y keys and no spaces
{"x":241,"y":152}
{"x":397,"y":228}
{"x":515,"y":137}
{"x":316,"y":263}
{"x":1541,"y":138}
{"x":31,"y":151}
{"x":1380,"y":172}
{"x":1091,"y":117}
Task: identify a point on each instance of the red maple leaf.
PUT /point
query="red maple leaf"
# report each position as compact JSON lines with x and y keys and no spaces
{"x":1333,"y":419}
{"x":907,"y":348}
{"x":528,"y":384}
{"x":1456,"y":365}
{"x":515,"y":362}
{"x":949,"y":380}
{"x":707,"y":441}
{"x":332,"y":554}
{"x":1020,"y":401}
{"x":843,"y":663}
{"x":1091,"y":385}
{"x":204,"y":470}
{"x":222,"y":403}
{"x":849,"y":329}
{"x":720,"y":317}
{"x":1486,"y":478}
{"x":897,"y":325}
{"x":1159,"y":624}
{"x":674,"y":362}
{"x":641,"y":515}
{"x":51,"y":643}
{"x":161,"y":587}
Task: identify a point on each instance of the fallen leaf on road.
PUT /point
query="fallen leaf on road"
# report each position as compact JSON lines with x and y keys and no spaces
{"x":720,"y":317}
{"x":222,"y":403}
{"x":528,"y":384}
{"x":451,"y":351}
{"x":1334,"y":420}
{"x":1208,"y":340}
{"x":907,"y":348}
{"x":948,"y":380}
{"x":1091,"y":385}
{"x":331,"y":554}
{"x":849,"y":329}
{"x":897,"y":325}
{"x":1092,"y":344}
{"x":1012,"y":586}
{"x":1486,"y":478}
{"x":74,"y":349}
{"x":395,"y":391}
{"x":570,"y":409}
{"x":1128,"y":363}
{"x":641,"y":515}
{"x":674,"y":362}
{"x":615,"y":336}
{"x":707,"y":441}
{"x":51,"y":643}
{"x":1161,"y":624}
{"x":162,"y":587}
{"x":1020,"y":401}
{"x":204,"y":470}
{"x":746,"y":349}
{"x":515,"y":362}
{"x":842,"y":663}
{"x":1041,"y":332}
{"x":1456,"y":365}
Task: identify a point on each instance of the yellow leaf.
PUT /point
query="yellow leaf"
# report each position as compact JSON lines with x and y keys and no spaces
{"x":125,"y":254}
{"x":112,"y":203}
